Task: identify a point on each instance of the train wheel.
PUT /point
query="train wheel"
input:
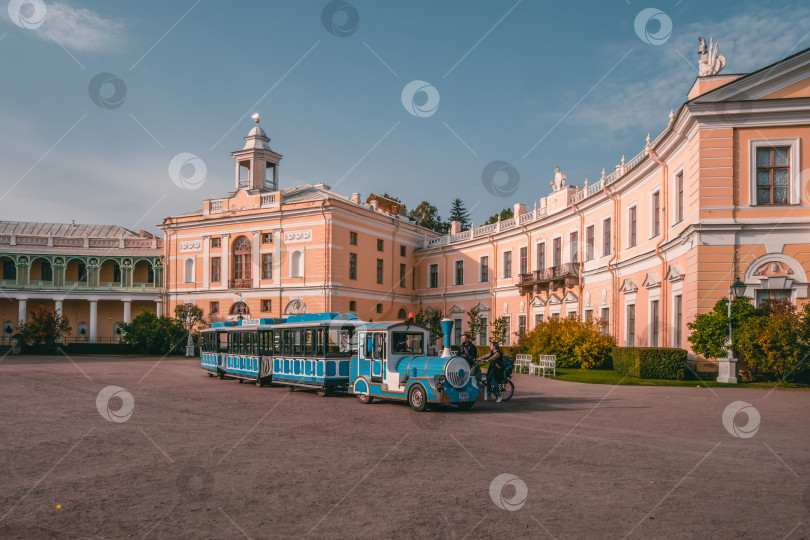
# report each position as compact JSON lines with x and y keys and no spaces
{"x":466,"y":405}
{"x":417,"y":398}
{"x":322,"y":392}
{"x":210,"y":374}
{"x":365,"y":399}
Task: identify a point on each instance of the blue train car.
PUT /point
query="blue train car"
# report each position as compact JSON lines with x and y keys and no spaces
{"x":240,"y":351}
{"x":314,"y":351}
{"x":213,"y":347}
{"x":391,"y":364}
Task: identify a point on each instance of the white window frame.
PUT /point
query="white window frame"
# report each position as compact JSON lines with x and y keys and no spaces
{"x":677,"y":290}
{"x":602,"y":237}
{"x":550,"y":254}
{"x":675,"y":203}
{"x":795,"y":168}
{"x":633,"y":205}
{"x":652,"y":213}
{"x":455,"y":280}
{"x":478,"y":340}
{"x":503,"y":263}
{"x":186,"y":277}
{"x":545,"y":254}
{"x":438,"y":276}
{"x":627,"y":305}
{"x":654,"y":297}
{"x":584,"y":241}
{"x":294,"y":272}
{"x":528,"y":258}
{"x":570,"y":248}
{"x":481,"y":267}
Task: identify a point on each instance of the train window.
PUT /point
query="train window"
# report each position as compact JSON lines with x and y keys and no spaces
{"x":379,"y":346}
{"x":286,"y":343}
{"x":407,"y":343}
{"x":319,"y":343}
{"x":339,"y":342}
{"x":309,"y":344}
{"x":298,"y":349}
{"x":277,"y":342}
{"x":223,"y":342}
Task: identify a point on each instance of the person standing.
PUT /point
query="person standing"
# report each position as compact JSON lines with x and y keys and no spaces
{"x":496,"y":368}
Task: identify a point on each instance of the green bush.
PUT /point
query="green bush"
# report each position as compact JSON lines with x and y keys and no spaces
{"x":577,"y":344}
{"x":94,"y":348}
{"x":150,"y":334}
{"x":650,"y":362}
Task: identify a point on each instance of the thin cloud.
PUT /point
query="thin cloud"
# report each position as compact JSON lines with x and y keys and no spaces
{"x":80,"y":29}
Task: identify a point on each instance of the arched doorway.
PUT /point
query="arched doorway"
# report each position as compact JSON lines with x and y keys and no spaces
{"x":239,"y":309}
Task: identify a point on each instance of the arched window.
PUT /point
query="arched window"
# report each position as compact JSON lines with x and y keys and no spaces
{"x":189,"y":271}
{"x":241,"y":258}
{"x":239,"y":308}
{"x":401,"y":314}
{"x":297,"y":264}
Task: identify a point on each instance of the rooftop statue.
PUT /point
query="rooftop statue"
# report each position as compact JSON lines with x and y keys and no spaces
{"x":710,"y":62}
{"x":559,"y":180}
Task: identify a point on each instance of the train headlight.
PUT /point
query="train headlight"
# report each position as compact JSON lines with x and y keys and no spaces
{"x":457,"y":372}
{"x":440,"y":380}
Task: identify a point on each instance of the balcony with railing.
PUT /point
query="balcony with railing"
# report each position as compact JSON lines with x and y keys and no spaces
{"x":548,"y":279}
{"x":240,"y":283}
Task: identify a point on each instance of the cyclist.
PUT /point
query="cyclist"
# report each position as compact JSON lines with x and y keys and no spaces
{"x":496,"y":368}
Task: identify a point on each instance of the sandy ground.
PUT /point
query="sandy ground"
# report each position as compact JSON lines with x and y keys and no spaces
{"x":205,"y":458}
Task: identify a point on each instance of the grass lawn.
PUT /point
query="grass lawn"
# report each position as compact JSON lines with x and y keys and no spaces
{"x":606,"y":376}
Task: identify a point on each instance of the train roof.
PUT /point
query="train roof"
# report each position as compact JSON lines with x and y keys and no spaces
{"x":390,"y":324}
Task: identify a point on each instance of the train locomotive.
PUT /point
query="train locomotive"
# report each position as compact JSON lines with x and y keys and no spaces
{"x":336,"y":352}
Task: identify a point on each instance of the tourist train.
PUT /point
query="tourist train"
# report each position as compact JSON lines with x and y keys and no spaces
{"x":337,"y":352}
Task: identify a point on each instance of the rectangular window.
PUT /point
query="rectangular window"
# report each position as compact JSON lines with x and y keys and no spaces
{"x":679,"y":197}
{"x":632,"y":239}
{"x":604,"y":316}
{"x":9,"y":270}
{"x":588,"y":315}
{"x":379,"y":245}
{"x":656,"y":214}
{"x":484,"y":265}
{"x":482,"y":333}
{"x":457,"y":328}
{"x":773,"y":175}
{"x":213,"y":307}
{"x":508,"y":340}
{"x":216,"y":269}
{"x":216,"y":242}
{"x":507,"y":264}
{"x":524,"y":260}
{"x":267,"y":266}
{"x":589,"y":240}
{"x":402,"y":273}
{"x":267,"y":306}
{"x":541,"y":256}
{"x":434,"y":276}
{"x":557,"y":255}
{"x":573,"y":245}
{"x":521,"y":325}
{"x":631,"y":325}
{"x":352,"y":305}
{"x":402,"y":251}
{"x":353,"y":238}
{"x":352,"y":265}
{"x":538,"y":319}
{"x":379,"y":271}
{"x":606,"y":237}
{"x":654,"y":323}
{"x":678,"y":308}
{"x":267,"y":238}
{"x":459,"y":272}
{"x":379,"y":308}
{"x":47,"y":272}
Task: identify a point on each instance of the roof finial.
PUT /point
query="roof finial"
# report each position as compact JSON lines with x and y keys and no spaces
{"x":255,"y":117}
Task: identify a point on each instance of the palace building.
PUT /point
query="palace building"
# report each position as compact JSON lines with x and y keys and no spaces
{"x":264,"y":251}
{"x":95,"y":275}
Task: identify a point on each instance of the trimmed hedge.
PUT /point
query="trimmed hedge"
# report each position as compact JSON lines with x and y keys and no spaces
{"x":650,"y":362}
{"x":95,"y":348}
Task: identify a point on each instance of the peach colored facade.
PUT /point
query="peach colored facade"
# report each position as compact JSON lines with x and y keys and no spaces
{"x":652,"y":244}
{"x":265,"y":252}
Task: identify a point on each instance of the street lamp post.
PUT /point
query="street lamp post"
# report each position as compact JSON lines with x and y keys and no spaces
{"x":189,"y":342}
{"x":727,"y":368}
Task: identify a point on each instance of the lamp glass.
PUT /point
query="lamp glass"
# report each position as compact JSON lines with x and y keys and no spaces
{"x":738,"y":289}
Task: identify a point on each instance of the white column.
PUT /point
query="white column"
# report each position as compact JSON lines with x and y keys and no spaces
{"x":159,"y":308}
{"x":93,"y":321}
{"x":256,"y":258}
{"x":277,"y":256}
{"x":57,"y":307}
{"x":21,"y":313}
{"x":127,"y":311}
{"x":206,"y":262}
{"x":226,"y":259}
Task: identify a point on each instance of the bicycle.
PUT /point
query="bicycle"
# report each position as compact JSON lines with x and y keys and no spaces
{"x":505,"y":385}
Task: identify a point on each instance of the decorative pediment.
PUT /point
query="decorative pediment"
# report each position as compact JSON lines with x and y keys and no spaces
{"x":570,"y":298}
{"x":651,"y":281}
{"x":537,"y":302}
{"x":482,"y":307}
{"x":456,"y":309}
{"x":674,"y":273}
{"x":628,"y":286}
{"x":773,"y":268}
{"x":554,"y":300}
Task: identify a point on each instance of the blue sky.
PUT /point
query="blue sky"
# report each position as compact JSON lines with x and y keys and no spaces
{"x":574,"y":77}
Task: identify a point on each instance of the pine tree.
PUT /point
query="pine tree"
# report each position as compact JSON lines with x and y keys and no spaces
{"x":459,"y":213}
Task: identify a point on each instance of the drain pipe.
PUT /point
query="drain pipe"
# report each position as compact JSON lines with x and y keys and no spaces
{"x":581,"y":258}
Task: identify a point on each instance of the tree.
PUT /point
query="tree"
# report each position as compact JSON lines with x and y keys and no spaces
{"x":458,"y":212}
{"x":426,"y":215}
{"x":577,"y":344}
{"x":475,"y":323}
{"x":184,"y":312}
{"x":41,"y":332}
{"x":709,"y":331}
{"x":150,"y":334}
{"x":506,"y":213}
{"x":500,"y":327}
{"x":430,"y":318}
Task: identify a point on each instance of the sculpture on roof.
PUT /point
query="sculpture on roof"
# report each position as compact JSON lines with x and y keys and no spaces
{"x":710,"y":62}
{"x":559,"y":180}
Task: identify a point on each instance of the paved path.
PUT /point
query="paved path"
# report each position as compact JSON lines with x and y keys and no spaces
{"x":200,"y":457}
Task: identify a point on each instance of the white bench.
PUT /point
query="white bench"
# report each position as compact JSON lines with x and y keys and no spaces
{"x":523,"y":361}
{"x":544,"y":362}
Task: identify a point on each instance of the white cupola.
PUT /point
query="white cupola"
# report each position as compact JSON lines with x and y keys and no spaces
{"x":256,"y":164}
